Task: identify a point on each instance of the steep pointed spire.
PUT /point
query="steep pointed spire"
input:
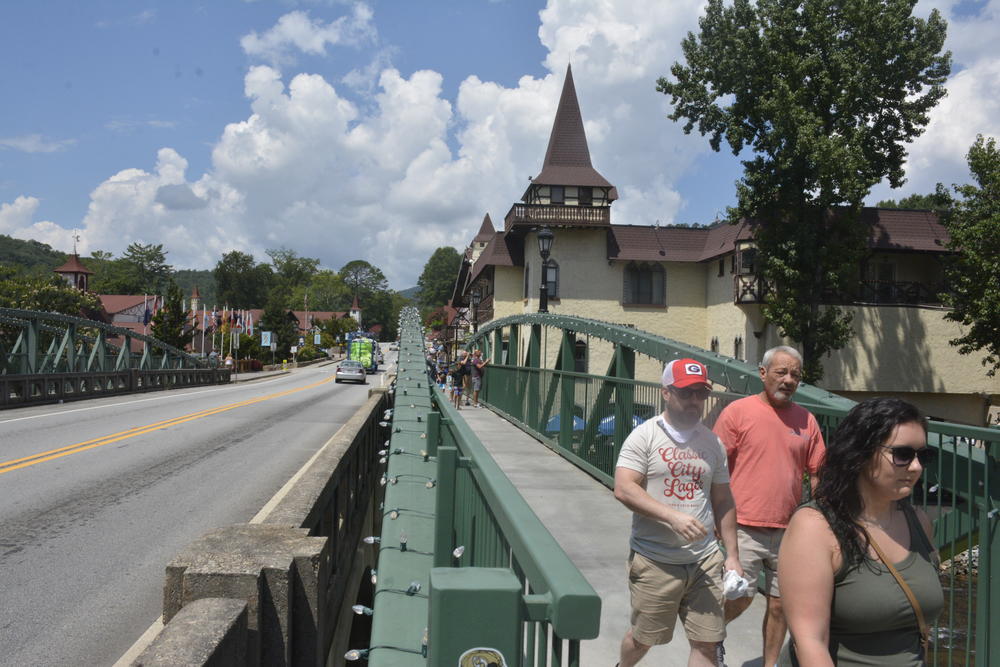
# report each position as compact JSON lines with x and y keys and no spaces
{"x":567,"y":159}
{"x":486,"y":231}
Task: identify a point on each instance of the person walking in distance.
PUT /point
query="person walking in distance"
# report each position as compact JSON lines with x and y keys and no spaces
{"x":478,"y":366}
{"x":672,"y":474}
{"x":771,"y":442}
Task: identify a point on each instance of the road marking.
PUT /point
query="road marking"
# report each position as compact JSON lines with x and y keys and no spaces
{"x":42,"y":457}
{"x":141,"y":400}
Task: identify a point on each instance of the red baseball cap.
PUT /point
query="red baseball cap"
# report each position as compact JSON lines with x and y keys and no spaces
{"x":684,"y":373}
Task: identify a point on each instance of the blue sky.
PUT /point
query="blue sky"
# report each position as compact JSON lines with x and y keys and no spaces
{"x":377,"y":130}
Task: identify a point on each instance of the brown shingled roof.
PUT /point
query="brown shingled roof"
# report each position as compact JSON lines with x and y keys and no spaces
{"x":116,"y":303}
{"x":644,"y":243}
{"x":567,"y":159}
{"x":486,"y":230}
{"x":892,"y":229}
{"x":503,"y":250}
{"x":73,"y":265}
{"x":899,"y":229}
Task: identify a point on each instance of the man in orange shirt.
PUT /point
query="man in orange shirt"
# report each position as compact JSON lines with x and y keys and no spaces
{"x":770,"y":442}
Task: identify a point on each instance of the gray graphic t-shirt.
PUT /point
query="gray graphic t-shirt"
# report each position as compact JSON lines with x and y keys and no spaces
{"x":679,"y":475}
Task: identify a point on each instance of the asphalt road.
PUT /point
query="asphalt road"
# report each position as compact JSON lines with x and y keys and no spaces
{"x":97,"y":496}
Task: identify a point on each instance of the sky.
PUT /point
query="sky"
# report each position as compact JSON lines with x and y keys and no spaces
{"x":376,"y":130}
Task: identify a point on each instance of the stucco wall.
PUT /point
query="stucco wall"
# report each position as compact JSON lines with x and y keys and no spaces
{"x":905,"y":350}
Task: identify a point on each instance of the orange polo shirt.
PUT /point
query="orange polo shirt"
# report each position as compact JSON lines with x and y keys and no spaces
{"x":768,"y":449}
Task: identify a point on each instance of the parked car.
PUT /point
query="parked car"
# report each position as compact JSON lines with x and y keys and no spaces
{"x":351,"y":371}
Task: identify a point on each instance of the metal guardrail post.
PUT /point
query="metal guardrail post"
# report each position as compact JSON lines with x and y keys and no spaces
{"x":447,"y":465}
{"x":474,"y":617}
{"x":988,"y":604}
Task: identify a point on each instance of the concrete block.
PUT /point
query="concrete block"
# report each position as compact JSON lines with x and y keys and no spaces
{"x":211,"y":632}
{"x":274,"y":569}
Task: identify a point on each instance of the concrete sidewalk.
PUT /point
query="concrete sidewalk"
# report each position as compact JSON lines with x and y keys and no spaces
{"x":593,"y":529}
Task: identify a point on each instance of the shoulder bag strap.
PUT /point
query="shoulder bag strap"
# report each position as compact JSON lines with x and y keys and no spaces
{"x":918,"y":612}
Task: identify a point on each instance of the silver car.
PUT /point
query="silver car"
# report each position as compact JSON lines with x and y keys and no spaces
{"x":351,"y":371}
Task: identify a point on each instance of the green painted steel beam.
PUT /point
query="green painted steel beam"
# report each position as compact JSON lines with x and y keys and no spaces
{"x":738,"y":376}
{"x":36,"y":326}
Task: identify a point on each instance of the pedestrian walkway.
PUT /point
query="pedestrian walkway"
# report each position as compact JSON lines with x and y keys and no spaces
{"x":593,"y":529}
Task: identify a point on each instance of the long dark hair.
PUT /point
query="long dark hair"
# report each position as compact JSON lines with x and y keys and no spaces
{"x":853,"y":444}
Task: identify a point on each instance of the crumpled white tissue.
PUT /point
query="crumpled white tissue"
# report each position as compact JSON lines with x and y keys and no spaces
{"x":734,"y":586}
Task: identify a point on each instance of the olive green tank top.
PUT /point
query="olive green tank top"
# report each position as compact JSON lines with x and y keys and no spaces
{"x":871,"y":620}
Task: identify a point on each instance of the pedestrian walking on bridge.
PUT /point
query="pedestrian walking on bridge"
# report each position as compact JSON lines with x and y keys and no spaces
{"x":672,"y":473}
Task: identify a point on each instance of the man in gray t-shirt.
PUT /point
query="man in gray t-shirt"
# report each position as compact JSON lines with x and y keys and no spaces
{"x":672,"y":473}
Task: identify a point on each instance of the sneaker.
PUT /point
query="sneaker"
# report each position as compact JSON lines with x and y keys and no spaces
{"x":720,"y":655}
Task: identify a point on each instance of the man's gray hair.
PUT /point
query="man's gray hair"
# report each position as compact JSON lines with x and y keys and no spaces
{"x":765,"y":362}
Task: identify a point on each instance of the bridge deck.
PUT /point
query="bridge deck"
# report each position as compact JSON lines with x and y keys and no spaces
{"x":593,"y":529}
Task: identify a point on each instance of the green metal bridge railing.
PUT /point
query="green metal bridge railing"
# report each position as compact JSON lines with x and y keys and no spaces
{"x":47,"y":357}
{"x":36,"y":343}
{"x":960,"y":492}
{"x":464,"y":565}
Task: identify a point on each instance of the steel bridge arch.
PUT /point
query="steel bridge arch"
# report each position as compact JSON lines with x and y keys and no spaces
{"x":78,"y":345}
{"x":737,"y":376}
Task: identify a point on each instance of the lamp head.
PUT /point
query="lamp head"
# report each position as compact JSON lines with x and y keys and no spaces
{"x":545,"y":239}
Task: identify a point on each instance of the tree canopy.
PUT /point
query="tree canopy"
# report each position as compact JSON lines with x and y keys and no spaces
{"x":821,"y":98}
{"x":49,"y":294}
{"x":142,"y":269}
{"x":974,"y":273}
{"x":437,"y":281}
{"x":170,"y":323}
{"x":241,"y":282}
{"x":363,"y":279}
{"x":939,"y":201}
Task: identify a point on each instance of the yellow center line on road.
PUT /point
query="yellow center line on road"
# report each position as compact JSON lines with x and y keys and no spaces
{"x":41,"y":457}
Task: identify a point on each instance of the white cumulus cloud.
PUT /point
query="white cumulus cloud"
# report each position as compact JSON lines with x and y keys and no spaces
{"x":297,"y":31}
{"x":406,"y":169}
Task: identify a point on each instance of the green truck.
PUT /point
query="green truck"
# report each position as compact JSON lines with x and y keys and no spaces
{"x":364,"y":350}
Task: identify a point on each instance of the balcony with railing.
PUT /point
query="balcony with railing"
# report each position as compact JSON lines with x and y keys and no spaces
{"x":550,"y":214}
{"x":752,"y":289}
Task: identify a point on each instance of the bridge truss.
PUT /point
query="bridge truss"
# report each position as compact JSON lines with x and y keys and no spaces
{"x":46,"y":357}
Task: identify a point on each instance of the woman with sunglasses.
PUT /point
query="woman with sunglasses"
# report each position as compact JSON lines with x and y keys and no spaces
{"x":843,"y":604}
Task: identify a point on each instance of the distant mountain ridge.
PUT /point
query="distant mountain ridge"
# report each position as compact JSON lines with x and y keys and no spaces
{"x":410,"y":292}
{"x":31,"y":256}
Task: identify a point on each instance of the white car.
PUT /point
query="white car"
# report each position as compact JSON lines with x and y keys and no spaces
{"x":350,"y":371}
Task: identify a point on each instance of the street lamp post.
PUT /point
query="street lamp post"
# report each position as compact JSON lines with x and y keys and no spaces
{"x":545,"y":239}
{"x":475,"y":298}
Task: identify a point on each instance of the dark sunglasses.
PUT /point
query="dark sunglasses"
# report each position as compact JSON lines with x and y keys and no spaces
{"x":685,"y":393}
{"x":903,"y":456}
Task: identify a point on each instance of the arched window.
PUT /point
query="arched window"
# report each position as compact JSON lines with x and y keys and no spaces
{"x":644,"y":284}
{"x":527,"y":280}
{"x":552,"y":279}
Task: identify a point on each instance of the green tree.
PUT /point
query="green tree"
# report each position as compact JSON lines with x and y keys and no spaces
{"x":437,"y":281}
{"x":170,"y":323}
{"x":203,"y":279}
{"x":363,"y":279}
{"x":240,"y":282}
{"x":325,"y":291}
{"x":142,"y":269}
{"x":284,"y":331}
{"x":291,"y":270}
{"x":49,"y":294}
{"x":974,"y":272}
{"x":824,"y":95}
{"x":939,"y":201}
